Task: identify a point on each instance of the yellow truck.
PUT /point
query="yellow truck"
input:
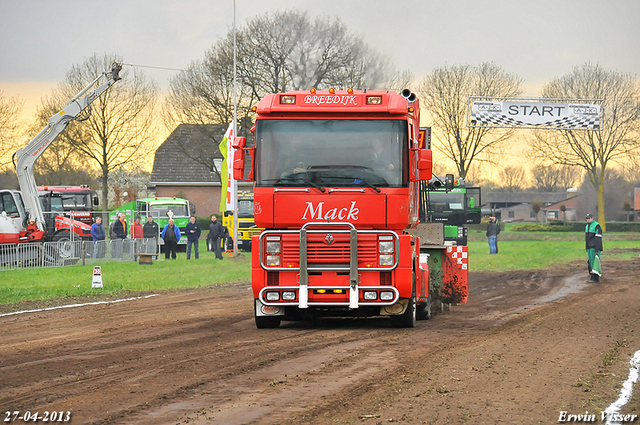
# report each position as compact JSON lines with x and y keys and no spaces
{"x":246,"y":224}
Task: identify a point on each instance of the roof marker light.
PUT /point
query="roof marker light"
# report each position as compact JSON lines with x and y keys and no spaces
{"x":332,"y":91}
{"x":350,"y":91}
{"x":313,"y":90}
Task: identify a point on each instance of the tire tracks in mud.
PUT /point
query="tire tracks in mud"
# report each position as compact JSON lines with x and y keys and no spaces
{"x":176,"y":358}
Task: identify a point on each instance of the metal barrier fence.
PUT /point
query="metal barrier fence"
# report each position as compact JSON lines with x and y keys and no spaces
{"x":69,"y":253}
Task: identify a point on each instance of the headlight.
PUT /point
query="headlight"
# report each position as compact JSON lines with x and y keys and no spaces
{"x":288,"y":296}
{"x":273,"y":296}
{"x":386,"y":296}
{"x":386,"y":260}
{"x":370,"y":295}
{"x":386,"y":246}
{"x":273,"y":247}
{"x":273,"y":260}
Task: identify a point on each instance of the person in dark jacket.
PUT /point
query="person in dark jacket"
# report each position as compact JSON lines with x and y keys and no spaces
{"x":171,"y":236}
{"x":150,"y":228}
{"x":216,"y":232}
{"x":493,"y":230}
{"x":593,"y":240}
{"x":193,"y":235}
{"x":120,"y":227}
{"x":98,"y":233}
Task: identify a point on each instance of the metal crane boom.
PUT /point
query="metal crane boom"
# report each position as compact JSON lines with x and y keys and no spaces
{"x":27,"y":156}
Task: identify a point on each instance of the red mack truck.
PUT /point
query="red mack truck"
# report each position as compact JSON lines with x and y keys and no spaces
{"x":337,"y":189}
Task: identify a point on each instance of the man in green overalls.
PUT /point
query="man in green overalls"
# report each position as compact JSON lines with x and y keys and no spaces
{"x":593,"y":238}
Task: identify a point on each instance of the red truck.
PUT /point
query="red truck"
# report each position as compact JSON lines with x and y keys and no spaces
{"x":65,"y":207}
{"x":337,"y":189}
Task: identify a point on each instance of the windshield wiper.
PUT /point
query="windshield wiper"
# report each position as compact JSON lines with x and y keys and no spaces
{"x":366,"y":183}
{"x":295,"y":177}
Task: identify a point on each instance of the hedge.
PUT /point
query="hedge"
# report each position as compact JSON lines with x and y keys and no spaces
{"x":616,"y":226}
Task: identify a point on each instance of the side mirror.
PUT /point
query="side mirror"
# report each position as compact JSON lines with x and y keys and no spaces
{"x":193,"y":209}
{"x":96,"y":201}
{"x":424,"y":164}
{"x":238,"y":164}
{"x":448,"y":182}
{"x":239,"y":142}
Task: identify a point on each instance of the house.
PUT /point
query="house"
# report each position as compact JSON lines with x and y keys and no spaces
{"x":574,"y":207}
{"x":187,"y":165}
{"x":519,"y":212}
{"x":516,"y":206}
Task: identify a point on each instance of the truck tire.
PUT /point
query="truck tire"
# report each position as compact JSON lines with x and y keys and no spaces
{"x":424,"y":310}
{"x":266,"y":322}
{"x":66,"y":248}
{"x":408,"y":318}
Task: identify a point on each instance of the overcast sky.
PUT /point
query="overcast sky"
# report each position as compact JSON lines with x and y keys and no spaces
{"x":536,"y":39}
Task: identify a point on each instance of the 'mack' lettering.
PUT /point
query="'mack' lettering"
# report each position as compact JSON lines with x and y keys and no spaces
{"x":315,"y":213}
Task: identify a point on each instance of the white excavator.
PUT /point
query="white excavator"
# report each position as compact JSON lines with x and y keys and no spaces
{"x":21,"y":215}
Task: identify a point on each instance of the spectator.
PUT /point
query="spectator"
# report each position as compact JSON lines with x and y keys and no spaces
{"x":120,"y":227}
{"x":97,"y":231}
{"x":150,"y":231}
{"x":171,"y":236}
{"x":493,"y":230}
{"x":216,"y":232}
{"x":136,"y":228}
{"x":193,"y":235}
{"x":593,"y":239}
{"x":150,"y":228}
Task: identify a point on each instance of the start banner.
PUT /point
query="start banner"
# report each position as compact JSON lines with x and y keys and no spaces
{"x":555,"y":114}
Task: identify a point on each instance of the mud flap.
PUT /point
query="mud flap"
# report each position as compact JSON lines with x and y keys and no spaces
{"x":455,"y":275}
{"x":449,"y":274}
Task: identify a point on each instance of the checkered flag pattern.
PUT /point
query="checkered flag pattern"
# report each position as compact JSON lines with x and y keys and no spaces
{"x":459,"y":255}
{"x":495,"y":119}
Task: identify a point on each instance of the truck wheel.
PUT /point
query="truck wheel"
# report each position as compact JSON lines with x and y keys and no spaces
{"x":424,"y":310}
{"x":266,"y":322}
{"x":408,"y":318}
{"x":66,"y":248}
{"x":62,"y":236}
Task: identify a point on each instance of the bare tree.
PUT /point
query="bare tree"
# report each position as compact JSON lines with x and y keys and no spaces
{"x":277,"y":52}
{"x":119,"y":130}
{"x":594,"y":151}
{"x":513,"y":178}
{"x":10,"y":109}
{"x":445,"y":93}
{"x":550,"y":178}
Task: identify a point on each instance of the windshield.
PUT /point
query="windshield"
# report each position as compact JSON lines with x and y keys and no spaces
{"x":331,"y":153}
{"x":245,"y":208}
{"x":162,"y":210}
{"x":442,"y":202}
{"x":72,"y":202}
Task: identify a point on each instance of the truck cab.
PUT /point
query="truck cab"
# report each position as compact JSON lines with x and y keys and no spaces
{"x":336,"y":186}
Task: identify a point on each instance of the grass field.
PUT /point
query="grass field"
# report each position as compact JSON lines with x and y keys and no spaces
{"x":542,"y":250}
{"x":122,"y":278}
{"x":517,"y":251}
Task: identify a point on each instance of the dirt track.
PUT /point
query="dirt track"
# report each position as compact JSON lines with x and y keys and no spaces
{"x":527,"y":346}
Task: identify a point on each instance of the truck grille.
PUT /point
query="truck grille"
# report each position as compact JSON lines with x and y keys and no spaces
{"x":320,"y":252}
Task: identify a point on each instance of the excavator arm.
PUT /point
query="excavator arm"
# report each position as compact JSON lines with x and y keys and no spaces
{"x":27,"y":156}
